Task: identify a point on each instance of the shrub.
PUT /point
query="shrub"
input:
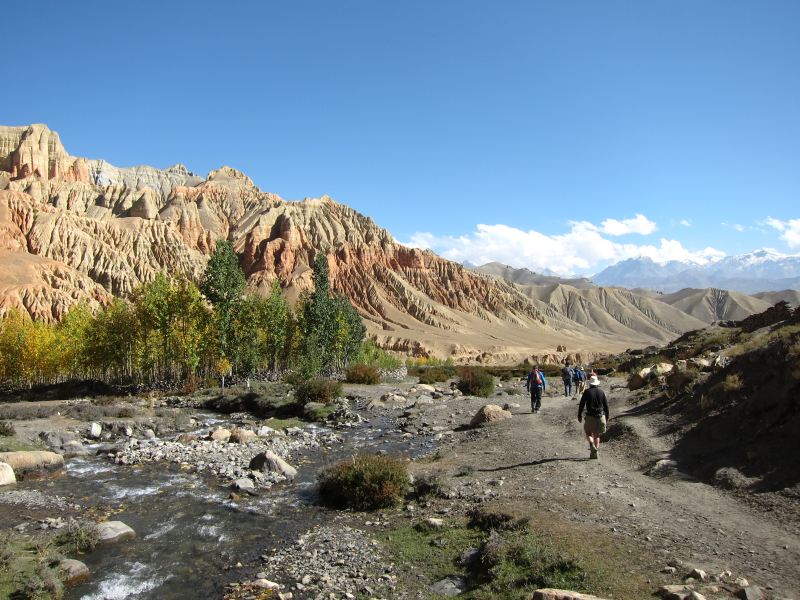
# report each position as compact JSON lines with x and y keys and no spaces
{"x":434,"y":375}
{"x":7,"y":428}
{"x":732,"y":383}
{"x":77,"y":537}
{"x":363,"y":374}
{"x":318,"y":390}
{"x":370,"y":354}
{"x":475,"y":381}
{"x":366,"y":482}
{"x":429,"y":484}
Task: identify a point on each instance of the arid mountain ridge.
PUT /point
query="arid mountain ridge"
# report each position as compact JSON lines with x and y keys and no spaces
{"x":78,"y":230}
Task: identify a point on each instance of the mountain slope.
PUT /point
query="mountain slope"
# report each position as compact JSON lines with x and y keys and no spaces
{"x":712,"y":304}
{"x":78,"y":230}
{"x":527,"y":277}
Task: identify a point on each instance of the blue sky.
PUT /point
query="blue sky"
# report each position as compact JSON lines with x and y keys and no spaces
{"x":504,"y":130}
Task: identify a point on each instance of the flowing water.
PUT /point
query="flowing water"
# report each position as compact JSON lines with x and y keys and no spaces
{"x":188,"y":532}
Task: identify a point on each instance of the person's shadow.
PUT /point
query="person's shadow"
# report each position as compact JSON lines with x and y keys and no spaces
{"x":533,"y":463}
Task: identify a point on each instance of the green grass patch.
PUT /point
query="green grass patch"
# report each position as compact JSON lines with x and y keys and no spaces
{"x":276,"y":423}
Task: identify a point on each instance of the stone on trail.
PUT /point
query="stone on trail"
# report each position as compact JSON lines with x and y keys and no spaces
{"x":95,"y":430}
{"x":510,"y":405}
{"x":220,"y":434}
{"x":449,"y":586}
{"x":434,"y":522}
{"x":268,"y":461}
{"x":489,"y":414}
{"x":7,"y":474}
{"x":751,"y":592}
{"x":112,"y":532}
{"x":73,"y":571}
{"x":426,"y":388}
{"x":266,"y":584}
{"x":698,"y":574}
{"x":675,"y":592}
{"x":554,"y":594}
{"x":31,"y":460}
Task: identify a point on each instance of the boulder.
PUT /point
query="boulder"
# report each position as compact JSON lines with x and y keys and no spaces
{"x":449,"y":586}
{"x":636,"y":382}
{"x":488,"y":415}
{"x":510,"y":405}
{"x":661,"y":369}
{"x":220,"y":434}
{"x":31,"y":460}
{"x":242,"y":436}
{"x":95,"y":429}
{"x":74,"y":448}
{"x":149,"y":434}
{"x":270,"y":462}
{"x":73,"y":571}
{"x":554,"y":594}
{"x":112,"y":532}
{"x":674,"y":592}
{"x":395,"y":399}
{"x":426,"y":388}
{"x":751,"y":592}
{"x":246,"y":485}
{"x":56,"y":440}
{"x":7,"y":474}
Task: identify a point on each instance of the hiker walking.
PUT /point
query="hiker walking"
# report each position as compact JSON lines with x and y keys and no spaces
{"x":566,"y":377}
{"x":536,"y":384}
{"x":578,"y":380}
{"x":596,"y":405}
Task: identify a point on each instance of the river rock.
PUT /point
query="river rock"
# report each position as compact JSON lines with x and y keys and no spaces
{"x":111,"y":532}
{"x":95,"y":429}
{"x":6,"y":474}
{"x":449,"y":586}
{"x":246,"y":485}
{"x":270,"y":462}
{"x":266,"y":430}
{"x":488,"y":415}
{"x":395,"y":399}
{"x":56,"y":440}
{"x":149,"y":434}
{"x":220,"y":434}
{"x":554,"y":594}
{"x":426,"y":388}
{"x":73,"y":571}
{"x":242,"y":436}
{"x":31,"y":460}
{"x":187,"y":438}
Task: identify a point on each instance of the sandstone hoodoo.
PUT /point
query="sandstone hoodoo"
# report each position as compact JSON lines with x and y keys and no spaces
{"x":74,"y":230}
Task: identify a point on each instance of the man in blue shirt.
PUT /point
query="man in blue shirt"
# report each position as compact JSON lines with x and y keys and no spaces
{"x":536,"y":384}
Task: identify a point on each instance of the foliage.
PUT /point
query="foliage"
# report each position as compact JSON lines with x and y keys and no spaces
{"x":332,"y":330}
{"x":475,"y":381}
{"x":362,"y":374}
{"x":223,"y":286}
{"x":732,"y":383}
{"x":7,"y":429}
{"x":435,"y":375}
{"x":366,"y":482}
{"x":318,"y":389}
{"x":372,"y":355}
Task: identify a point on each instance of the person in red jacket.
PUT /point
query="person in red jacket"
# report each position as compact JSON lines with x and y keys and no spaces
{"x":594,"y":400}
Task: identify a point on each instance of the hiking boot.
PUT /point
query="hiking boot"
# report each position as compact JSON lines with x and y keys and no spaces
{"x":593,"y":453}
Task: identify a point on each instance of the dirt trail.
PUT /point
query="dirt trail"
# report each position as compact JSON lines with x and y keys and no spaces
{"x":544,"y":461}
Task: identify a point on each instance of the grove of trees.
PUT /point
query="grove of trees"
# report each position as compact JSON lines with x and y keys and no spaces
{"x":173,"y":330}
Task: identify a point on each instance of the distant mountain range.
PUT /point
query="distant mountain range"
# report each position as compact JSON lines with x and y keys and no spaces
{"x":760,"y":271}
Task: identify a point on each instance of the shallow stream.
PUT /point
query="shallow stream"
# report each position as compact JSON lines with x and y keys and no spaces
{"x":189,"y":533}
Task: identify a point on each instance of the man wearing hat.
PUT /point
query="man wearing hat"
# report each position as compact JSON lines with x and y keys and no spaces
{"x":594,"y":400}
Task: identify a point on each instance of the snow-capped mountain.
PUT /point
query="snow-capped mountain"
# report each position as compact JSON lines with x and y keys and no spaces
{"x":759,"y":271}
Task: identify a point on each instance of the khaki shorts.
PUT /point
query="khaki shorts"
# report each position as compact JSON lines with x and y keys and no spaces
{"x":594,"y":425}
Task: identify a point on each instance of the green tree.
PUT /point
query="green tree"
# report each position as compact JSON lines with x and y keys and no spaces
{"x":223,"y":284}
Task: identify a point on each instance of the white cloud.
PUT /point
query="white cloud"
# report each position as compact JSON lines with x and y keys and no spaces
{"x":686,"y":223}
{"x":581,"y":250}
{"x":789,"y":230}
{"x":638,"y":224}
{"x":736,"y":226}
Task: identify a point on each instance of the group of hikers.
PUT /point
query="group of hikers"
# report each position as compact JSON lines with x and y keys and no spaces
{"x":592,"y":400}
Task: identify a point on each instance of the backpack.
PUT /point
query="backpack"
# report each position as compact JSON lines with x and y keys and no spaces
{"x":538,"y":377}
